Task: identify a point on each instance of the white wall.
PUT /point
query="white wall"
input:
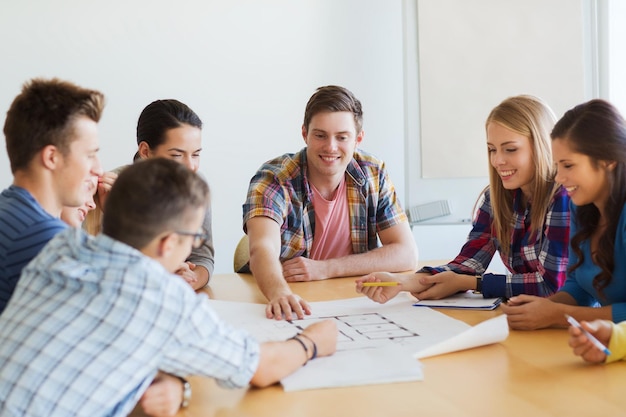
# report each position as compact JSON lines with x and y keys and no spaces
{"x":617,"y":54}
{"x":491,"y":25}
{"x":473,"y":54}
{"x":247,"y":67}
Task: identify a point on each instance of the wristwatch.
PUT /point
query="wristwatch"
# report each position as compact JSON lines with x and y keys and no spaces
{"x":479,"y":285}
{"x":186,"y":392}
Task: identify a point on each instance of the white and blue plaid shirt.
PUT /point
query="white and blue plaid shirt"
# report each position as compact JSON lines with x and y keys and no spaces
{"x":92,"y":320}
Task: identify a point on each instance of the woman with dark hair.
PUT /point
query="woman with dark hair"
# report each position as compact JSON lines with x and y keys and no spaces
{"x":589,"y":149}
{"x":170,"y":129}
{"x":165,"y":124}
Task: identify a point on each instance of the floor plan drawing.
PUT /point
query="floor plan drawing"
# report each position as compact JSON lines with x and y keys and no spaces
{"x":361,"y":323}
{"x":355,"y":330}
{"x":375,"y":343}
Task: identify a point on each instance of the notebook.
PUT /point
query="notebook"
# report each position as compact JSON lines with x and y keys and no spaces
{"x":464,"y":300}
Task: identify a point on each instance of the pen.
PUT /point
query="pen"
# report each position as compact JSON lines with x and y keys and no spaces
{"x":381,"y":284}
{"x":571,"y":320}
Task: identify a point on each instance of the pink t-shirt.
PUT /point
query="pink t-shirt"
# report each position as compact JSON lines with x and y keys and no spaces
{"x":332,"y":225}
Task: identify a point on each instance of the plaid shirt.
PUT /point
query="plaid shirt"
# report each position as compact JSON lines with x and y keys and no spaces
{"x":537,"y":264}
{"x":280,"y":190}
{"x":92,"y":320}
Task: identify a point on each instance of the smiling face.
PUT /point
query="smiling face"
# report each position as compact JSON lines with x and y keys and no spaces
{"x":585,"y":180}
{"x":331,"y":140}
{"x":75,"y":216}
{"x":511,"y":155}
{"x":182,"y":144}
{"x":80,"y":165}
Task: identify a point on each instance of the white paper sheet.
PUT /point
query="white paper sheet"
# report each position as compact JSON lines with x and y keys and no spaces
{"x":490,"y":331}
{"x":375,"y":345}
{"x":356,"y":367}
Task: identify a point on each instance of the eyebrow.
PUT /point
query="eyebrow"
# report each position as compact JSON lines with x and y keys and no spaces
{"x":510,"y":142}
{"x":182,"y":150}
{"x":343,"y":132}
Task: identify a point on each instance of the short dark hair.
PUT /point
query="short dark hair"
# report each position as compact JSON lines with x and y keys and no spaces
{"x":150,"y":197}
{"x":160,"y":116}
{"x":43,"y":114}
{"x":332,"y":98}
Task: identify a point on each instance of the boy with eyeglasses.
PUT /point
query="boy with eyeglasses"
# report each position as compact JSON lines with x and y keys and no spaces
{"x":93,"y":319}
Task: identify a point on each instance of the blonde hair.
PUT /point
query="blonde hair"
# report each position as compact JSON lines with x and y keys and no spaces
{"x":93,"y":219}
{"x":531,"y":117}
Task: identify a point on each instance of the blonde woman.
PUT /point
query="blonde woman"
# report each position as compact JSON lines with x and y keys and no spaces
{"x":523,"y":215}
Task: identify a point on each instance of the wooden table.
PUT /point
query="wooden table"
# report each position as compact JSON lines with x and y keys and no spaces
{"x":532,"y":373}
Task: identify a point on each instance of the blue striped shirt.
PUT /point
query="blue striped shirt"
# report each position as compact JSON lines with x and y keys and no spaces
{"x":25,"y":228}
{"x":92,"y":320}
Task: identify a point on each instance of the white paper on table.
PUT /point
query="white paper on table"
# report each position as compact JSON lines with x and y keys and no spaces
{"x":489,"y":331}
{"x":376,"y":342}
{"x":423,"y":327}
{"x":356,"y":367}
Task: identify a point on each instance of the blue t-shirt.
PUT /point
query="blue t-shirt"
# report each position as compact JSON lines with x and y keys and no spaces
{"x":579,"y":283}
{"x":25,"y":228}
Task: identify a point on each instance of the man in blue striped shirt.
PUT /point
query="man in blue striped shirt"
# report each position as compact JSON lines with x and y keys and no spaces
{"x":52,"y":142}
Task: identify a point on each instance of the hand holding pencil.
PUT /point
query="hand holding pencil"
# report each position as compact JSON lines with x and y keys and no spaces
{"x":379,"y":286}
{"x":583,"y":346}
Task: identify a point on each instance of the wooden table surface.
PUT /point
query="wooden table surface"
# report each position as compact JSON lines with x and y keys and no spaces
{"x":532,"y":373}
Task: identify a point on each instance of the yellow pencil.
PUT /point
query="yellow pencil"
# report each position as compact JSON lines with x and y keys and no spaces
{"x":381,"y":284}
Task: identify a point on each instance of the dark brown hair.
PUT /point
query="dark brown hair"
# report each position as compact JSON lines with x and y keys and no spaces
{"x":597,"y":129}
{"x":43,"y":114}
{"x":160,"y":116}
{"x":333,"y":98}
{"x":150,"y":197}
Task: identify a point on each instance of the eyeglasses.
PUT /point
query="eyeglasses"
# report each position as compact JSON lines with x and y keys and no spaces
{"x":198,"y":238}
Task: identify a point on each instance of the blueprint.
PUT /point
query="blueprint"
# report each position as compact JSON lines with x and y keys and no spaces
{"x":376,"y":342}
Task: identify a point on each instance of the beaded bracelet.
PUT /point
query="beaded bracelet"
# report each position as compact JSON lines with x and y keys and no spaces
{"x":314,"y":345}
{"x":306,"y":349}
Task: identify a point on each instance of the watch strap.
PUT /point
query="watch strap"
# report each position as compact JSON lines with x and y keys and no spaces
{"x":186,"y":392}
{"x":479,"y":285}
